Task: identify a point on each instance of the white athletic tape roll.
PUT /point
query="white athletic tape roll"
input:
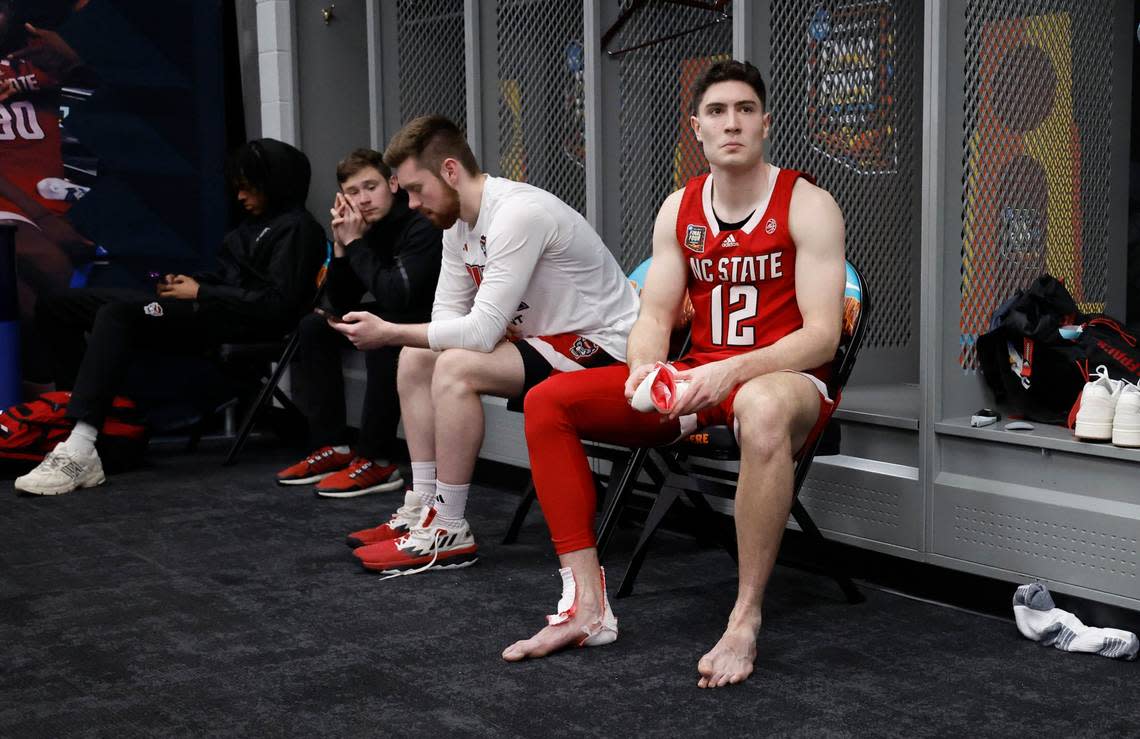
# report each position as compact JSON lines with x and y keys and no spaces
{"x":658,"y":392}
{"x":643,"y":396}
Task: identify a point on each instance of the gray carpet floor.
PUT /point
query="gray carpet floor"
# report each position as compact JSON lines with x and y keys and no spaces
{"x":187,"y":599}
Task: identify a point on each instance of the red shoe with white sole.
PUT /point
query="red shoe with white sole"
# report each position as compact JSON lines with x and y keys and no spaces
{"x":401,"y":522}
{"x":427,"y":546}
{"x":361,"y":477}
{"x":315,"y":467}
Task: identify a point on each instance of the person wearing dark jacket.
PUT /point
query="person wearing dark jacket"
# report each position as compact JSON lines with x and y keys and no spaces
{"x":264,"y":283}
{"x":380,"y":247}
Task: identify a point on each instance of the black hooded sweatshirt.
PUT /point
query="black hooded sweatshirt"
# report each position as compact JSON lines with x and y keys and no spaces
{"x":267,"y":266}
{"x":397,"y":260}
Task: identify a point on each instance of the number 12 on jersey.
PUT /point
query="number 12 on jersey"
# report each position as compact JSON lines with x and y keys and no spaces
{"x":741,"y":306}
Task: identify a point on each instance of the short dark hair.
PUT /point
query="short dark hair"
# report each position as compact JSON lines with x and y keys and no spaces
{"x":359,"y":159}
{"x":726,"y":71}
{"x":430,"y":139}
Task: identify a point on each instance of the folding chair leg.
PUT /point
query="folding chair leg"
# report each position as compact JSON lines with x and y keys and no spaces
{"x":725,"y":537}
{"x":661,"y":506}
{"x":195,"y":436}
{"x":832,"y":564}
{"x":520,"y":513}
{"x":287,"y":402}
{"x":267,"y":391}
{"x":617,"y":495}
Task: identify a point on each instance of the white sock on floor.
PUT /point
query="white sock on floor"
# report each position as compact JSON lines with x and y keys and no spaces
{"x":342,"y":449}
{"x":82,"y":439}
{"x":450,"y":503}
{"x":1040,"y":620}
{"x":423,"y":481}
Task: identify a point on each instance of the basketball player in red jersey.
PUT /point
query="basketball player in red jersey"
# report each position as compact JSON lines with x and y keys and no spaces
{"x":760,"y":252}
{"x":35,"y":62}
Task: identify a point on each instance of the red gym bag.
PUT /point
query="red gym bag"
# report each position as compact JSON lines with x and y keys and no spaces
{"x":29,"y":431}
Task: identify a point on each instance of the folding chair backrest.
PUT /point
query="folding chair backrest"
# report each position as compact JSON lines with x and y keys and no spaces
{"x":637,"y":276}
{"x":856,"y":307}
{"x":679,"y":341}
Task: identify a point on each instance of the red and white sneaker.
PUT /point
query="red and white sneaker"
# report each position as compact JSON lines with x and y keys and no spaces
{"x":401,"y":522}
{"x":361,"y":477}
{"x":599,"y":634}
{"x":428,"y":546}
{"x":315,"y":467}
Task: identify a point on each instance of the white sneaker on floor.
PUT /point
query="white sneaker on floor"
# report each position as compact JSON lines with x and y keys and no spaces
{"x":61,"y":472}
{"x":1097,"y":410}
{"x":1126,"y":420}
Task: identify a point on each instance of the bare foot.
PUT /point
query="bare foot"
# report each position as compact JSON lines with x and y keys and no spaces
{"x":730,"y":661}
{"x":585,"y":622}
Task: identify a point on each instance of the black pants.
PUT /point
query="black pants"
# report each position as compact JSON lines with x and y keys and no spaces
{"x":121,"y":322}
{"x":318,"y":389}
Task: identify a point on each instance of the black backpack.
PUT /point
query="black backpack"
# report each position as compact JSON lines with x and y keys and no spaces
{"x":1036,"y":372}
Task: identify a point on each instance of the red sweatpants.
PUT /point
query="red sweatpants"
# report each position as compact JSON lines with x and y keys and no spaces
{"x":559,"y":413}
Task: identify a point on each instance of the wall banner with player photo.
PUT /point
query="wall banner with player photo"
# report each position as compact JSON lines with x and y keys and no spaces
{"x":112,"y":144}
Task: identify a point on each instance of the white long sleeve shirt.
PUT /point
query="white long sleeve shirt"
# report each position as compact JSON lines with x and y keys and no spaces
{"x":532,"y":261}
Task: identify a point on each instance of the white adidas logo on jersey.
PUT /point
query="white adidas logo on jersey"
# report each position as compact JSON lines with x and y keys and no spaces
{"x":730,"y":241}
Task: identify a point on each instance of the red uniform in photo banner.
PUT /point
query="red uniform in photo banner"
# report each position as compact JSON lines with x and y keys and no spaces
{"x":30,"y":146}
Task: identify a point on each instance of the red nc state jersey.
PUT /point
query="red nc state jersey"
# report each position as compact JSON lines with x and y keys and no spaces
{"x":29,"y":131}
{"x":742,"y":282}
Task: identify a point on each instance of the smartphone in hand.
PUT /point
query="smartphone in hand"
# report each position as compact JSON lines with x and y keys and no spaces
{"x":329,"y":315}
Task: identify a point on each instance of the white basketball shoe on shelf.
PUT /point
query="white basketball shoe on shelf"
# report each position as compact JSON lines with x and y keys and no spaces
{"x":1108,"y":410}
{"x":1126,"y":420}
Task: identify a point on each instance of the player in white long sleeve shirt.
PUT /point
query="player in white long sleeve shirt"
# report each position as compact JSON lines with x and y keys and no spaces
{"x":526,"y":289}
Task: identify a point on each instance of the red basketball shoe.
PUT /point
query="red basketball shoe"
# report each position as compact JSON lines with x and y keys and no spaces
{"x":427,"y":546}
{"x":361,"y":477}
{"x":315,"y":467}
{"x":401,"y":522}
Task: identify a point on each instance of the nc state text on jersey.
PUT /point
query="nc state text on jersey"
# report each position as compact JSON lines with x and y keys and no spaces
{"x":738,"y":269}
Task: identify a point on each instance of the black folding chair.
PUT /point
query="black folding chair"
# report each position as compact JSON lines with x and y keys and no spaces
{"x":689,"y":477}
{"x":262,"y":353}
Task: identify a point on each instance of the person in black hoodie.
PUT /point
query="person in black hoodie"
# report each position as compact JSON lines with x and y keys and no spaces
{"x":265,"y":281}
{"x":381,"y":247}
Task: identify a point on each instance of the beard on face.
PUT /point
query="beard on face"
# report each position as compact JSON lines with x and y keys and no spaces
{"x":447,"y":214}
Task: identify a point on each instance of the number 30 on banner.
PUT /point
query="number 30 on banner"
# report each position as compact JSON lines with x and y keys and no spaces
{"x":19,"y":119}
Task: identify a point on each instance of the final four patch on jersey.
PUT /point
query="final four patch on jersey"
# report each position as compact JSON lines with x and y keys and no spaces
{"x":695,"y":238}
{"x":582,"y":348}
{"x":154,"y":310}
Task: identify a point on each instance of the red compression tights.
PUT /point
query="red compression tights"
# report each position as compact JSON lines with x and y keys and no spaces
{"x":559,"y":413}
